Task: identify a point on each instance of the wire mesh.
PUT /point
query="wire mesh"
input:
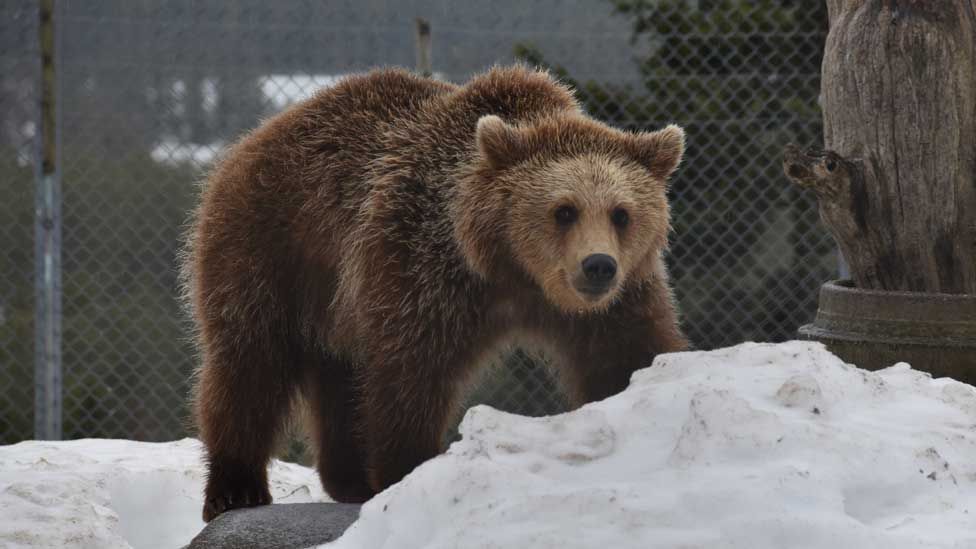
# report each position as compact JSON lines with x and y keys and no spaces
{"x":19,"y":89}
{"x":150,"y":92}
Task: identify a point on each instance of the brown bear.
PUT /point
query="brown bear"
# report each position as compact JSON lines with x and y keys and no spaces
{"x":367,"y":249}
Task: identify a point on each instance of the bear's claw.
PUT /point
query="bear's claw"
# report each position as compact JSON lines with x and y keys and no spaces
{"x":214,"y":506}
{"x":233,"y":491}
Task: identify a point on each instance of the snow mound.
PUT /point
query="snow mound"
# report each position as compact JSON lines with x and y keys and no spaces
{"x":115,"y":493}
{"x":754,"y":446}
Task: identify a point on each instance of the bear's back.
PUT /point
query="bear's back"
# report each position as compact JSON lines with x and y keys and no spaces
{"x":306,"y":173}
{"x":320,"y":152}
{"x":383,"y":94}
{"x":346,"y":127}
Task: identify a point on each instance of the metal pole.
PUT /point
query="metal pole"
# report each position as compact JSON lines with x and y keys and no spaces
{"x":423,"y":48}
{"x":47,"y":247}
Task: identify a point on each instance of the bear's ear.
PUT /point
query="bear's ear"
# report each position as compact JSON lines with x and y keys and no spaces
{"x":660,"y":152}
{"x":500,"y":143}
{"x":479,"y":223}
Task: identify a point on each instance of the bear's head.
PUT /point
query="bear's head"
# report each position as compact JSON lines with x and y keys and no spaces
{"x":579,"y":207}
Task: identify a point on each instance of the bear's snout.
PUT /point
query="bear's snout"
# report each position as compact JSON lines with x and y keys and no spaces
{"x":599,"y":271}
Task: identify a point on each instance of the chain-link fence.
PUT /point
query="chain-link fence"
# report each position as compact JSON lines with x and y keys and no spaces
{"x":19,"y":113}
{"x":147,"y":92}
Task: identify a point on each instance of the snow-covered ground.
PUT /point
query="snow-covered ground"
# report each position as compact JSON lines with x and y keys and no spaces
{"x":756,"y":446}
{"x":115,"y":493}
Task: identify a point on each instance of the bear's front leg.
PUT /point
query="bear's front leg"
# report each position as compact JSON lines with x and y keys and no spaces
{"x":408,"y":398}
{"x":602,"y":350}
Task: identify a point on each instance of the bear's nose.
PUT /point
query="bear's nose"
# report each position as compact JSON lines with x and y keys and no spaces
{"x":599,"y":268}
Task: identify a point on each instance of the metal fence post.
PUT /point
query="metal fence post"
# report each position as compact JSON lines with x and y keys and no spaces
{"x":47,"y":246}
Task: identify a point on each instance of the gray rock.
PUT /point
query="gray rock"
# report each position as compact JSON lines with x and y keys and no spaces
{"x":281,"y":526}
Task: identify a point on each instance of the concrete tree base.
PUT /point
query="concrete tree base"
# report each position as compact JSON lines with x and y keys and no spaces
{"x":935,"y":333}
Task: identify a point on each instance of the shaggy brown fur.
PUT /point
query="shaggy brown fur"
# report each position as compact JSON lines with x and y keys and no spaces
{"x":368,"y":247}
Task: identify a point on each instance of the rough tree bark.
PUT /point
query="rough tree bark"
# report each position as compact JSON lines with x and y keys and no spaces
{"x":897,"y":183}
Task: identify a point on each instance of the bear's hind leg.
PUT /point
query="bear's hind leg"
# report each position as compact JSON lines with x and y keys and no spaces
{"x":407,"y":404}
{"x":335,"y":425}
{"x":243,"y":399}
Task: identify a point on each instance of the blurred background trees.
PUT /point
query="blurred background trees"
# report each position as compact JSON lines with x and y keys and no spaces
{"x":150,"y":91}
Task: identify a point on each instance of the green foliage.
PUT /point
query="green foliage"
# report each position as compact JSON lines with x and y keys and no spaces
{"x":16,"y":297}
{"x":126,"y":361}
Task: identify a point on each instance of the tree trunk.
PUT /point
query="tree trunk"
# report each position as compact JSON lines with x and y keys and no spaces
{"x":897,"y":185}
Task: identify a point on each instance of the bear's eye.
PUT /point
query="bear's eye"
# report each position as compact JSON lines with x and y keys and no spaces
{"x":620,"y":217}
{"x":565,"y":215}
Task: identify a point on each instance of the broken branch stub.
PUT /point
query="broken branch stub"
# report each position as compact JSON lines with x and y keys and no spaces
{"x":899,"y":107}
{"x":839,"y":185}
